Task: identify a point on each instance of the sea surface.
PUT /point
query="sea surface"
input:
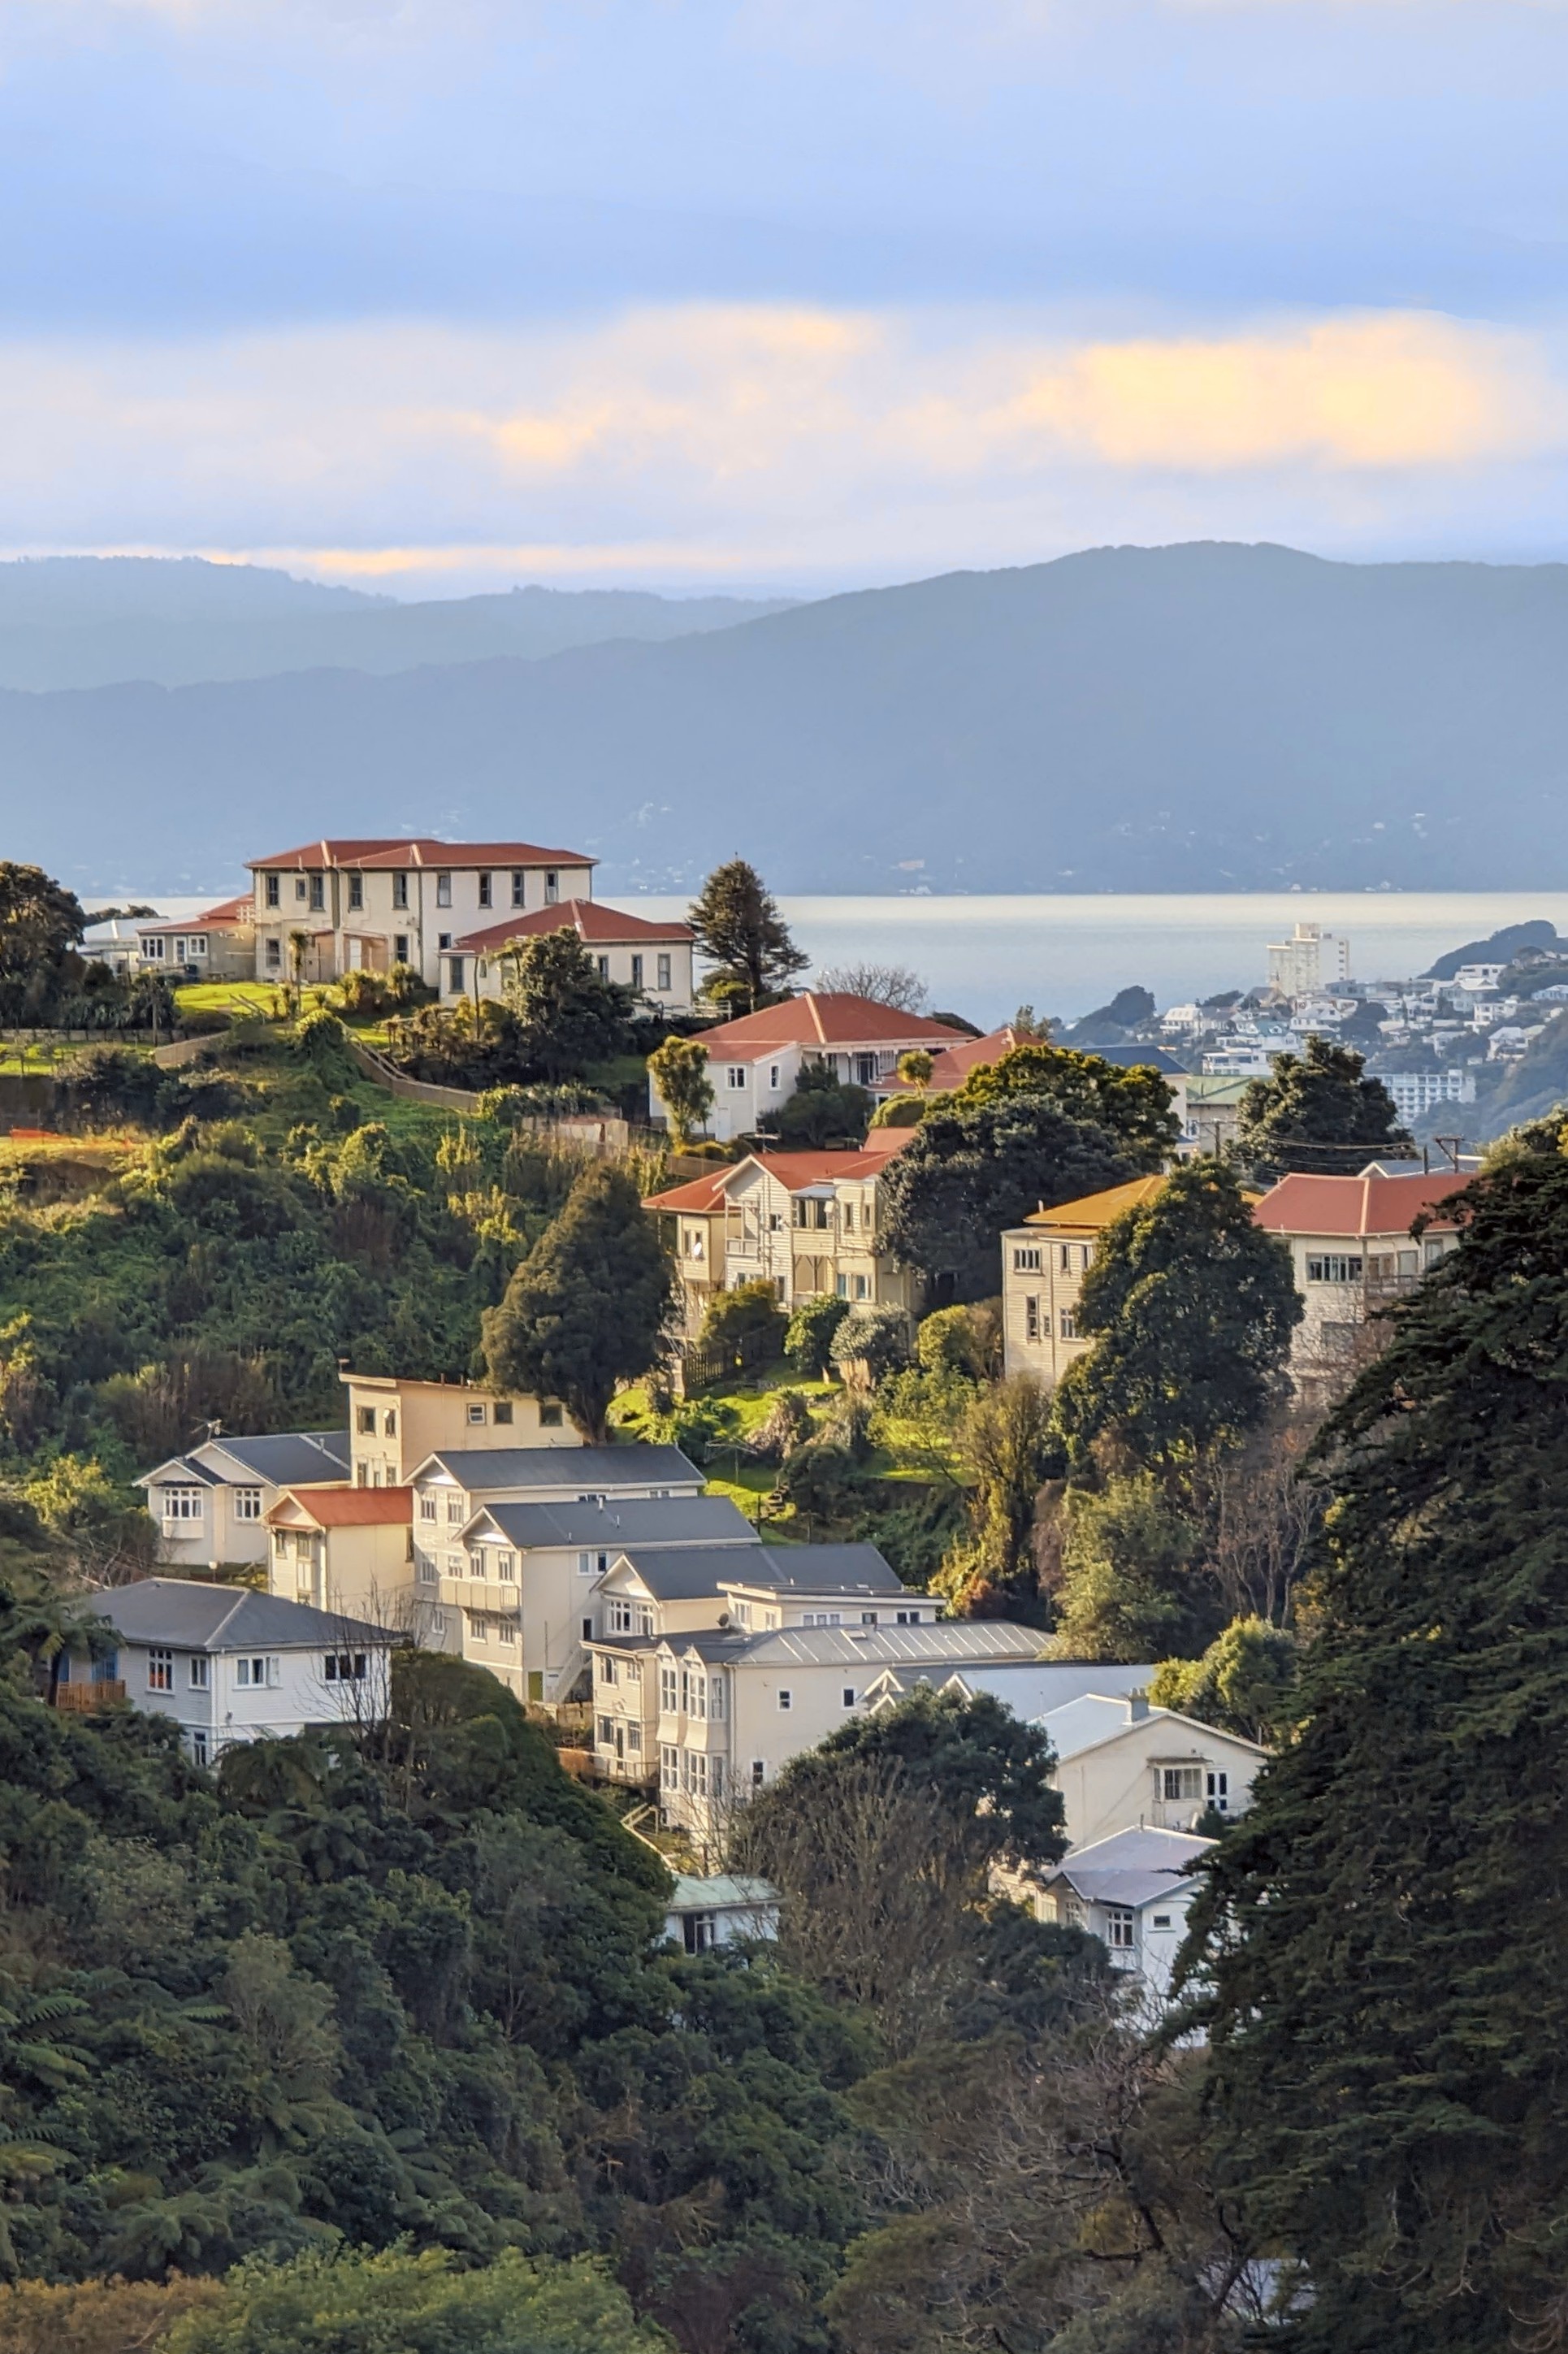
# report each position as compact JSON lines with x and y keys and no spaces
{"x":985,"y":957}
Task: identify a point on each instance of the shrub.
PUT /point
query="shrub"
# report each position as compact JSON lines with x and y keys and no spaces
{"x":701,"y":1428}
{"x":904,"y":1111}
{"x":364,"y":993}
{"x":958,"y":1340}
{"x":786,"y":1425}
{"x":870,"y":1342}
{"x":821,"y":1480}
{"x":203,"y":1023}
{"x":111,"y":1083}
{"x":319,"y":1040}
{"x":735,"y":1316}
{"x":808,"y":1342}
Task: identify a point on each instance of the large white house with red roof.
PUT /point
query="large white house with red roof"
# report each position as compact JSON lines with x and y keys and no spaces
{"x":1353,"y":1251}
{"x":651,"y":957}
{"x":754,"y":1061}
{"x":334,"y":906}
{"x":807,"y":1223}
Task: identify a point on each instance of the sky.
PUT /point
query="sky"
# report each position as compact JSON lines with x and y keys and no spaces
{"x":432,"y":296}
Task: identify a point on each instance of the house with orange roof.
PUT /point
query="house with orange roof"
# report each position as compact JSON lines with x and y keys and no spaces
{"x":348,"y":1550}
{"x":807,"y":1223}
{"x":650,"y":955}
{"x":754,"y":1061}
{"x":1354,"y":1252}
{"x":218,"y":945}
{"x":365,"y":904}
{"x":1043,"y":1263}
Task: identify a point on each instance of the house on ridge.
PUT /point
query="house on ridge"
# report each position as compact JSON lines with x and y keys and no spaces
{"x":754,"y":1061}
{"x":651,"y":957}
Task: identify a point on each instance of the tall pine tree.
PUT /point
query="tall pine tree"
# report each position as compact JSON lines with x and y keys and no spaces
{"x":1385,"y":1935}
{"x":739,"y":929}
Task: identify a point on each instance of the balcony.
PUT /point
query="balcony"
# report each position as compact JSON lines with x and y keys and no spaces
{"x":79,"y":1700}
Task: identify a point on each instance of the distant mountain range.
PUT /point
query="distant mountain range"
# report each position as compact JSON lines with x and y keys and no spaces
{"x":1200,"y":717}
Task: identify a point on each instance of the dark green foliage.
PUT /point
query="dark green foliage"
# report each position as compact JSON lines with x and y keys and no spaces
{"x":823,"y":1111}
{"x":1385,"y":1929}
{"x":1245,"y":1682}
{"x":679,"y":1070}
{"x":740,"y":931}
{"x":40,"y":924}
{"x":808,"y":1342}
{"x":870,"y":1342}
{"x":747,"y":1311}
{"x":971,"y":1755}
{"x":1133,"y":1105}
{"x":1317,"y":1113}
{"x":974,"y":1170}
{"x":589,"y":1306}
{"x":567,"y":1014}
{"x":822,"y":1480}
{"x":1190,"y":1305}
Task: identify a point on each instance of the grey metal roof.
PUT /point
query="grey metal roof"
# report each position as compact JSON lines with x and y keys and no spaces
{"x":944,"y":1643}
{"x":725,"y":1892}
{"x":622,"y":1522}
{"x":183,"y":1615}
{"x":1136,"y":1866}
{"x":823,"y":1569}
{"x":1030,"y":1687}
{"x":587,"y":1469}
{"x":285,"y":1459}
{"x":708,"y":1643}
{"x":683,"y":1573}
{"x":1096,"y":1717}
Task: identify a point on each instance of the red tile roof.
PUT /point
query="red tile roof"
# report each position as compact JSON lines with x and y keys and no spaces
{"x":794,"y":1171}
{"x":698,"y":1194}
{"x":954,"y":1063}
{"x":1352,"y":1205}
{"x":591,"y":920}
{"x":420,"y":849}
{"x":343,"y":1508}
{"x":814,"y":1019}
{"x":232,"y":911}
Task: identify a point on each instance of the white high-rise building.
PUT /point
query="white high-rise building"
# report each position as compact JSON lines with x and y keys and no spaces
{"x":1310,"y":960}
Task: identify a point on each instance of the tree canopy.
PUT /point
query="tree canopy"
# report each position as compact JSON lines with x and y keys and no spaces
{"x":40,"y":925}
{"x":567,"y":1014}
{"x":1383,"y":1932}
{"x":679,"y":1070}
{"x":1134,"y":1106}
{"x":1190,"y":1307}
{"x":589,"y":1306}
{"x":1318,"y":1112}
{"x":739,"y":931}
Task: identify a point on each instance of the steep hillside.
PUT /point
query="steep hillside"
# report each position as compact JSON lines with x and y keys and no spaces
{"x":1203,"y":716}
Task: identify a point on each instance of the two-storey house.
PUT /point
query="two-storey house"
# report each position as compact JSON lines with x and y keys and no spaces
{"x":1133,"y":1891}
{"x":394,"y":1425}
{"x":466,"y":1600}
{"x":1043,"y":1263}
{"x":1120,"y":1763}
{"x":651,"y":957}
{"x":210,"y":1504}
{"x":1354,"y":1252}
{"x":232,"y":1666}
{"x":345,"y":1549}
{"x":805,"y":1222}
{"x":335,"y":906}
{"x":754,"y":1061}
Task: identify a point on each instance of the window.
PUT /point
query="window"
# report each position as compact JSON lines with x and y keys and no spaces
{"x":862,"y":1286}
{"x":389,"y":1423}
{"x":500,"y":1411}
{"x":697,"y":1932}
{"x":847,"y":1215}
{"x":822,"y":1618}
{"x":1333,"y":1266}
{"x":907,"y":1617}
{"x":735,"y":1075}
{"x":607,"y":1732}
{"x":663,"y":981}
{"x":715,"y":1700}
{"x":550,"y":1417}
{"x":346,"y":1667}
{"x":506,"y":1568}
{"x":759,"y":1772}
{"x":1162,"y":1920}
{"x":603,"y":964}
{"x":399,"y":890}
{"x":1069,"y":1325}
{"x":454,"y":1509}
{"x":694,"y":1244}
{"x":1220,"y":1793}
{"x":248,"y":1503}
{"x":400,"y":947}
{"x":1026,"y":1261}
{"x":356,"y":890}
{"x":251,"y":1674}
{"x":181,"y":1503}
{"x":485,"y":898}
{"x":274,"y":956}
{"x":476,"y":1414}
{"x":456,"y":969}
{"x":427,"y":1506}
{"x":1120,"y":1929}
{"x":365,"y":1420}
{"x":198,"y":1748}
{"x":318,"y":891}
{"x":438,"y":1622}
{"x":1178,"y":1782}
{"x":454,"y":1564}
{"x":669,"y":1769}
{"x":517,"y":887}
{"x":634,"y":1741}
{"x":479,"y":1626}
{"x":1032,"y":1318}
{"x":868,"y":1617}
{"x":667,"y":1691}
{"x":849,"y":1696}
{"x":443,"y":890}
{"x":606,"y":1668}
{"x":587,"y":1630}
{"x":270,"y":890}
{"x":773,"y":1075}
{"x":198,"y":1672}
{"x":301,"y":887}
{"x":506,"y":1628}
{"x":619,"y":1615}
{"x":865,"y":1070}
{"x":786,"y":1701}
{"x":636,"y":973}
{"x":551,"y":887}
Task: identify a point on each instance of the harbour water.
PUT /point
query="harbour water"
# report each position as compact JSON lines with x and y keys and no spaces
{"x":984,"y":957}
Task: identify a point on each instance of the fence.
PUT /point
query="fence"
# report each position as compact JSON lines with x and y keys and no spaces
{"x":397,"y":1082}
{"x":702,"y":1363}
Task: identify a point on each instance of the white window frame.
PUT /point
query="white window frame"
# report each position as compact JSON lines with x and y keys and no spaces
{"x":248,"y":1503}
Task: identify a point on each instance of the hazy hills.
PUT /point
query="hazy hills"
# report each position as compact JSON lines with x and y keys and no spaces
{"x":1207,"y":717}
{"x":73,"y":621}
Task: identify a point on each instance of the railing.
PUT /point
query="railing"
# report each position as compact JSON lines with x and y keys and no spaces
{"x":81,"y":1699}
{"x":702,"y":1363}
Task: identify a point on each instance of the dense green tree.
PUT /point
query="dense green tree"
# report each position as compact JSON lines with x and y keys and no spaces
{"x":40,"y":925}
{"x":1190,"y":1307}
{"x":973,"y":1170}
{"x":1384,"y":1932}
{"x":870,"y":1342}
{"x":823,"y":1111}
{"x":739,"y":931}
{"x":1125,"y":1588}
{"x":1318,"y":1112}
{"x":589,"y":1306}
{"x":568,"y":1014}
{"x":1132,"y":1105}
{"x":1006,"y":1446}
{"x":1245,"y":1682}
{"x":679,"y":1070}
{"x":746,"y":1311}
{"x":808,"y":1342}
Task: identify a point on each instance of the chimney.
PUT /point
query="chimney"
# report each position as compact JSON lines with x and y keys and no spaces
{"x":1137,"y":1707}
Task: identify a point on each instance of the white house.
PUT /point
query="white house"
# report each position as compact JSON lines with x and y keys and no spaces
{"x":543,"y":1565}
{"x":1122,"y":1766}
{"x":335,"y":906}
{"x":1353,"y":1251}
{"x":217,"y":944}
{"x":650,"y":955}
{"x":231,"y":1666}
{"x":706,"y":1913}
{"x":211,"y":1504}
{"x":754,"y":1061}
{"x":1133,"y":1891}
